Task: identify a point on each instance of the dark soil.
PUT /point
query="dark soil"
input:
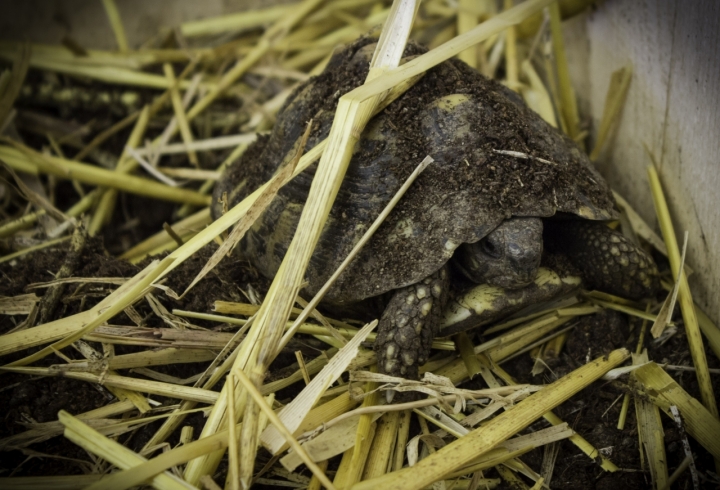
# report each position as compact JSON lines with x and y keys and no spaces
{"x":594,"y":412}
{"x":589,"y":413}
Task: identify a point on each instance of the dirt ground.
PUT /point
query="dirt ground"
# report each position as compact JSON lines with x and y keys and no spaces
{"x":593,"y":413}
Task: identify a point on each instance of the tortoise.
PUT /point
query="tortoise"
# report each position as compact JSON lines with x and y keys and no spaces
{"x":504,"y":186}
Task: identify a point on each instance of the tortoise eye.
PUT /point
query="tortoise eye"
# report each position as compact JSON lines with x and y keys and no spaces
{"x":490,"y":248}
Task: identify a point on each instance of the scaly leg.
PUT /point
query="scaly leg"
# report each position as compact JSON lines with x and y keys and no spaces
{"x":607,"y":260}
{"x":409,"y":323}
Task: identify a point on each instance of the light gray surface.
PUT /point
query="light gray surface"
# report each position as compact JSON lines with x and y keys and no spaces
{"x":673,"y":108}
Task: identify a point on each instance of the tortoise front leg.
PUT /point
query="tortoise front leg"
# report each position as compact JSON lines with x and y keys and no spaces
{"x":409,"y":324}
{"x":607,"y":260}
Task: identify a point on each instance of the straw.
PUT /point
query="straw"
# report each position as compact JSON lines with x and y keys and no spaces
{"x":687,"y":307}
{"x":116,"y":24}
{"x":29,"y":161}
{"x":463,"y":451}
{"x":281,"y":296}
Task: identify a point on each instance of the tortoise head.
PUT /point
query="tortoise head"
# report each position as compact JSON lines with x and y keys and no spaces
{"x":507,"y":257}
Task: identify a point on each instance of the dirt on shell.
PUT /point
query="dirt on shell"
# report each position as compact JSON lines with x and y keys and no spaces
{"x":476,"y":180}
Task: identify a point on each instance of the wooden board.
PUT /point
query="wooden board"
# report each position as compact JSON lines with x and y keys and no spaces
{"x":672,"y":107}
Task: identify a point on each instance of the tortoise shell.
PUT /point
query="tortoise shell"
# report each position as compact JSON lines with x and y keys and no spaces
{"x":468,"y":124}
